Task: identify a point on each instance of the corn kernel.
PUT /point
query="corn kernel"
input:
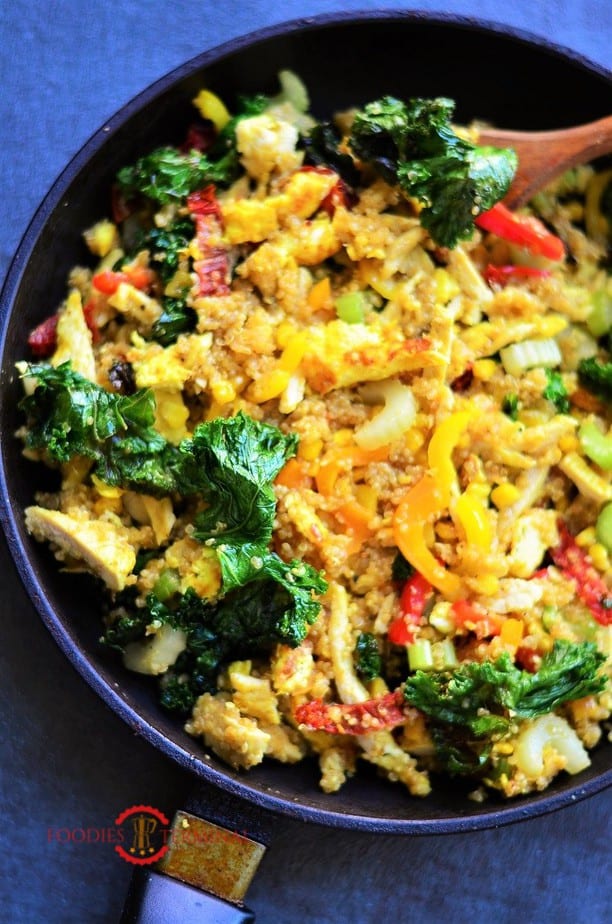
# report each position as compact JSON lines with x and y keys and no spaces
{"x":309,"y":450}
{"x":504,"y":495}
{"x":487,"y":585}
{"x":504,"y":747}
{"x":223,"y":391}
{"x":446,"y":287}
{"x":343,"y":437}
{"x":270,"y":385}
{"x":551,"y":325}
{"x":599,"y":556}
{"x":484,"y":369}
{"x":586,"y":537}
{"x":285,"y":331}
{"x":367,"y":497}
{"x":569,"y":443}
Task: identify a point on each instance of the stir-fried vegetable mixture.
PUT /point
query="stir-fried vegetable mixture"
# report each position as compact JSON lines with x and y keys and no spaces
{"x":331,"y":425}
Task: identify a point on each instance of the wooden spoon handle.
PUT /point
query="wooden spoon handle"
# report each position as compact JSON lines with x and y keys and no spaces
{"x":543,"y":156}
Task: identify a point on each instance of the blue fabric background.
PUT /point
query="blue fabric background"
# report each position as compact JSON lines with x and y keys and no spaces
{"x":67,"y":762}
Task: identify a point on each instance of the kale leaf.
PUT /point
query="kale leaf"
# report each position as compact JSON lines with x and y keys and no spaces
{"x":369,"y":660}
{"x":247,"y":622}
{"x":322,"y":146}
{"x":414,"y":145}
{"x":596,"y":377}
{"x":241,"y":458}
{"x":68,"y":416}
{"x":176,"y":318}
{"x":169,"y":175}
{"x":478,"y":701}
{"x":166,"y":244}
{"x":556,"y":391}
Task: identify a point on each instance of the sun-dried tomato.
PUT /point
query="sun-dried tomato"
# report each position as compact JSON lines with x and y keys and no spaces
{"x":576,"y":565}
{"x":372,"y":715}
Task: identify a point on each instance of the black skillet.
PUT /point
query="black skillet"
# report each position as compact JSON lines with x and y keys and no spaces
{"x":494,"y":74}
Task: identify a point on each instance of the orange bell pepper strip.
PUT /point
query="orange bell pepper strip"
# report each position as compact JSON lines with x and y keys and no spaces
{"x":413,"y":512}
{"x":344,"y":457}
{"x":293,"y":474}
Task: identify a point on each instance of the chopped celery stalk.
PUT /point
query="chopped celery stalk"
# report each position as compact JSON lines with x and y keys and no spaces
{"x":596,"y":445}
{"x":441,"y":618}
{"x":550,"y":615}
{"x":599,"y":321}
{"x":603,"y":527}
{"x":351,"y":307}
{"x":444,"y":655}
{"x":293,"y":90}
{"x":518,"y":357}
{"x":167,"y":584}
{"x":420,"y":655}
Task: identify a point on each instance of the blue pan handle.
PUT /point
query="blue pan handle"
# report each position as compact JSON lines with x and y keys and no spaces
{"x":155,"y":898}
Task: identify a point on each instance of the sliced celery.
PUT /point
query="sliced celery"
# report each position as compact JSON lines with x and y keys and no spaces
{"x":420,"y":655}
{"x":596,"y":445}
{"x":599,"y":321}
{"x":167,"y":584}
{"x":603,"y":527}
{"x":518,"y":357}
{"x":351,"y":307}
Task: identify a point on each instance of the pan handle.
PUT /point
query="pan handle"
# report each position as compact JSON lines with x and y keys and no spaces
{"x":214,"y":848}
{"x":155,"y":898}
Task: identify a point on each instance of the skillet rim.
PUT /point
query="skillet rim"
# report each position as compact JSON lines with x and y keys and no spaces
{"x":526,"y":807}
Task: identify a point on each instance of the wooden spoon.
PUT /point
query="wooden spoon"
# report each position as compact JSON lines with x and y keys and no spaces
{"x":542,"y":156}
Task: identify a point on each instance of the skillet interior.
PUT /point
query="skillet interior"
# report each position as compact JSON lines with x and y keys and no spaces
{"x":492,"y":74}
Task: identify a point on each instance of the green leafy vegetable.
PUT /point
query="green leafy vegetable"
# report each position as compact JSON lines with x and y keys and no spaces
{"x":169,"y":175}
{"x":556,"y":391}
{"x":167,"y":244}
{"x":176,"y":318}
{"x":369,"y":660}
{"x":70,"y":416}
{"x":413,"y":144}
{"x":478,"y":702}
{"x":510,"y":406}
{"x":322,"y":144}
{"x":401,"y":569}
{"x":596,"y":376}
{"x":246,"y":622}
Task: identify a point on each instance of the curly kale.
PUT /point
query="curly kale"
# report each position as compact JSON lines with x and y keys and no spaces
{"x":176,"y":318}
{"x":556,"y":391}
{"x":412,"y":144}
{"x":169,"y":175}
{"x":368,"y":656}
{"x":322,"y":147}
{"x":247,"y":622}
{"x":166,"y":244}
{"x":596,"y":376}
{"x":479,"y":702}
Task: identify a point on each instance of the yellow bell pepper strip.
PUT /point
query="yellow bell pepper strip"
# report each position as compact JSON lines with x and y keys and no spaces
{"x":524,"y":230}
{"x":471,"y":514}
{"x":416,"y":508}
{"x":439,"y":454}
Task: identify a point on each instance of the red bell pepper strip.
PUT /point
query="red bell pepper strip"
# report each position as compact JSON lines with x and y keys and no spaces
{"x":108,"y":281}
{"x":372,"y":715}
{"x":213,"y":269}
{"x":502,"y":275}
{"x":524,"y":230}
{"x":576,"y":565}
{"x":467,"y":616}
{"x":413,"y":600}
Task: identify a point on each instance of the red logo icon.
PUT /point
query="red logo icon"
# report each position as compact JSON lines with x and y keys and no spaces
{"x":145,"y":835}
